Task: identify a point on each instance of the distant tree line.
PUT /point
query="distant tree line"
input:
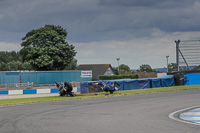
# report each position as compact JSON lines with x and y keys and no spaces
{"x":147,"y":68}
{"x":12,"y":61}
{"x":172,"y":67}
{"x":142,"y":68}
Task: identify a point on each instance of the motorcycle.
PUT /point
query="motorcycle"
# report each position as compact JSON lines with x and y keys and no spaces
{"x":65,"y":89}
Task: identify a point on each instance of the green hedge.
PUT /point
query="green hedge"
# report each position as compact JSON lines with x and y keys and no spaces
{"x":111,"y":77}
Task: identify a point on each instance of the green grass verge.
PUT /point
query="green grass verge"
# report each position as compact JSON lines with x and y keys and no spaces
{"x":5,"y":102}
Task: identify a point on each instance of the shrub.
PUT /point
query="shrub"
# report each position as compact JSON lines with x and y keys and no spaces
{"x":111,"y":77}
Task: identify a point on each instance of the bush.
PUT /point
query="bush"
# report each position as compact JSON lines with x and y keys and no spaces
{"x":111,"y":77}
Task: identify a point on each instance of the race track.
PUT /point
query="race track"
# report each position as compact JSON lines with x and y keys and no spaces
{"x":143,"y":113}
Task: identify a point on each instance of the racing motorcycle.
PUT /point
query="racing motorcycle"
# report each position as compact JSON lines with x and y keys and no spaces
{"x":65,"y":89}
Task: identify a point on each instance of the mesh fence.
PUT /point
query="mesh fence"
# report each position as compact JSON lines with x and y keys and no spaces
{"x":24,"y":86}
{"x":39,"y":80}
{"x":16,"y":86}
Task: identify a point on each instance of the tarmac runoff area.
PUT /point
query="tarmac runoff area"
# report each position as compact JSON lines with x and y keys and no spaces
{"x":142,"y":113}
{"x":27,"y":96}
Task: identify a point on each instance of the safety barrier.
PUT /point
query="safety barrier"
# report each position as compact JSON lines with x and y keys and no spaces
{"x":132,"y":84}
{"x":35,"y":91}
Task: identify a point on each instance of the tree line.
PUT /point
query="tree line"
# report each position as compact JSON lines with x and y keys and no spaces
{"x":144,"y":68}
{"x":12,"y":61}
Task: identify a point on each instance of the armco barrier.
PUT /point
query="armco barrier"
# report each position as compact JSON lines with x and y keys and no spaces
{"x":34,"y":91}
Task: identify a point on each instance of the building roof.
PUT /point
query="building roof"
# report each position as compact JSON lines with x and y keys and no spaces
{"x":97,"y":69}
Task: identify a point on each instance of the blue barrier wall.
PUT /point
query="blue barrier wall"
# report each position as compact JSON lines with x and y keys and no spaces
{"x":132,"y":84}
{"x":34,"y":91}
{"x":167,"y":81}
{"x":31,"y":91}
{"x":84,"y":87}
{"x":47,"y":77}
{"x":144,"y":83}
{"x":155,"y":82}
{"x":193,"y":79}
{"x":4,"y":92}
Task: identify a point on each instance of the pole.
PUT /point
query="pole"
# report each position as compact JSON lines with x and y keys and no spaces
{"x":167,"y":63}
{"x":177,"y":53}
{"x":118,"y":63}
{"x":20,"y":77}
{"x":185,"y":60}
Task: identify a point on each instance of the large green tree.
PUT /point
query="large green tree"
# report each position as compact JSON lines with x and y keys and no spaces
{"x":46,"y":49}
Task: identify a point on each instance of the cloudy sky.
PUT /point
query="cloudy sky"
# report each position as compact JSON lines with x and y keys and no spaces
{"x":136,"y":31}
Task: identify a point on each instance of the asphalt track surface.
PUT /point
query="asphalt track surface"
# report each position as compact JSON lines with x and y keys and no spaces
{"x":141,"y":113}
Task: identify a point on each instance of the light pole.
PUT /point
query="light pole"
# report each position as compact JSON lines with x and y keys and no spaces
{"x":167,"y":62}
{"x":118,"y":63}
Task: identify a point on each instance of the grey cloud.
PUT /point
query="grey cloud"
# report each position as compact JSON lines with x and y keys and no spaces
{"x":147,"y":3}
{"x":127,"y":2}
{"x":93,"y":20}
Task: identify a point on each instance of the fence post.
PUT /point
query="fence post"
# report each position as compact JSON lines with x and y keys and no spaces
{"x":177,"y":53}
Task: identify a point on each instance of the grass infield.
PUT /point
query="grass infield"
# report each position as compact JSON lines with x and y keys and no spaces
{"x":6,"y":102}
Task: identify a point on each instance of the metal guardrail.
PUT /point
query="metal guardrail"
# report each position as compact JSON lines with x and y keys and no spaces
{"x":44,"y":86}
{"x":16,"y":86}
